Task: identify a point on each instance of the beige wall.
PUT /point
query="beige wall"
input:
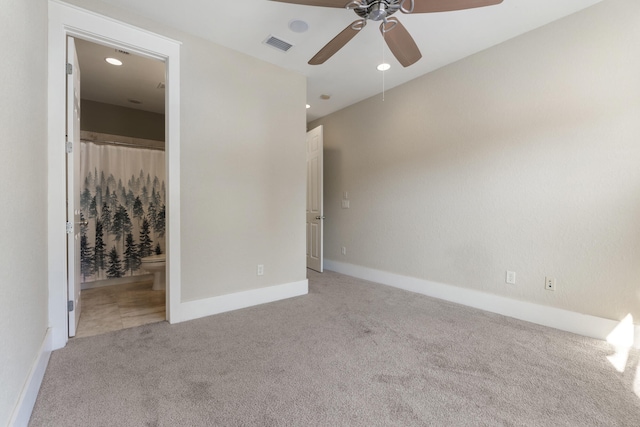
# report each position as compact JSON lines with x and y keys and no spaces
{"x":243,"y":172}
{"x":242,"y":166}
{"x":117,"y":120}
{"x":524,"y":157}
{"x":23,"y":172}
{"x":242,"y":180}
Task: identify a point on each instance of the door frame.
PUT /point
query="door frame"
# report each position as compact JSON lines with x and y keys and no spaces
{"x":73,"y":186}
{"x":67,"y":20}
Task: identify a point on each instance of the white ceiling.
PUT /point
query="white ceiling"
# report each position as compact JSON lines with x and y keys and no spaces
{"x":350,"y":75}
{"x":136,"y":79}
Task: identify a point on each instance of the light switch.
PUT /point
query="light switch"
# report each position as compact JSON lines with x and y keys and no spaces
{"x":345,"y":204}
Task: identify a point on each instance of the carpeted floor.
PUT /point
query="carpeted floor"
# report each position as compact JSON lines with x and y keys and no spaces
{"x":351,"y":353}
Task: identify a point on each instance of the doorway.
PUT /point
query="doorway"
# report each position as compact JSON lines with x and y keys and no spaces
{"x":122,"y":189}
{"x":64,"y":21}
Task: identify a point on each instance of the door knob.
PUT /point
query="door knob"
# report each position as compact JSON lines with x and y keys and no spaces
{"x":320,"y":217}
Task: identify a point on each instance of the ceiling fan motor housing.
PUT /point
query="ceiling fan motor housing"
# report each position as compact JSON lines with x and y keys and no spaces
{"x":377,"y":10}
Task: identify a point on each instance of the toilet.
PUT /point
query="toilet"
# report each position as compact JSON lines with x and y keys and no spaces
{"x":155,"y":264}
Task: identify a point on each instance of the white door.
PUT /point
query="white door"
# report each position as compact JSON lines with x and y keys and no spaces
{"x":73,"y":186}
{"x":315,"y":210}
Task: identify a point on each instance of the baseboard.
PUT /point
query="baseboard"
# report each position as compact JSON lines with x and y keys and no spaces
{"x":27,"y":400}
{"x":582,"y":324}
{"x":206,"y":307}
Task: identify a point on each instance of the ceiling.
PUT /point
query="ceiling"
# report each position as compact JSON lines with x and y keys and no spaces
{"x":133,"y":84}
{"x":350,"y":75}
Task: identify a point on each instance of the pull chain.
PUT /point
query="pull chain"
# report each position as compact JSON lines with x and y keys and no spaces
{"x":383,"y":71}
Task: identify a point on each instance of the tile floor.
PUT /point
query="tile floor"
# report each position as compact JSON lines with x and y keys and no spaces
{"x":111,"y":308}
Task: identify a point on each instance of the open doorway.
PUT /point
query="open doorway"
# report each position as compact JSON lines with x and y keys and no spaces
{"x":65,"y":21}
{"x":122,"y":190}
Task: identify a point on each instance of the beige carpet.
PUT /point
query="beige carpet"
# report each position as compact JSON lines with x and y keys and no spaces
{"x":351,"y":353}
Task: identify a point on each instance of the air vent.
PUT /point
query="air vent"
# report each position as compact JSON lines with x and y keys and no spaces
{"x":124,"y":52}
{"x":278,"y":43}
{"x":160,"y":85}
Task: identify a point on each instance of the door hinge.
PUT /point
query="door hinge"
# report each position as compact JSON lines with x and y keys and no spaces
{"x":70,"y":306}
{"x":69,"y":227}
{"x":68,"y":146}
{"x":69,"y":68}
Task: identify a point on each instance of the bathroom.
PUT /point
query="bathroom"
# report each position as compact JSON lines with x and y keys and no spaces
{"x":122,"y":190}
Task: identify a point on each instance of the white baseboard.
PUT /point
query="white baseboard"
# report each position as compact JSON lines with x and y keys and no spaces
{"x":27,"y":400}
{"x":581,"y":324}
{"x":206,"y":307}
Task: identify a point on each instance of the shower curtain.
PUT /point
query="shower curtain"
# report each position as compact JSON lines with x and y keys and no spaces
{"x":122,"y":203}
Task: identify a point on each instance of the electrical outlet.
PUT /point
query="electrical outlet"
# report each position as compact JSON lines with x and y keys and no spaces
{"x":260,"y":269}
{"x":550,"y":283}
{"x":345,"y":204}
{"x":511,"y":277}
{"x":344,"y":250}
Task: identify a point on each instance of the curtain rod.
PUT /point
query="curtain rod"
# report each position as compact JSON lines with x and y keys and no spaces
{"x":124,"y":144}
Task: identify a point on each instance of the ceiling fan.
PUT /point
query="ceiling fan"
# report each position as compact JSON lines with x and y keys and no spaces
{"x":396,"y":36}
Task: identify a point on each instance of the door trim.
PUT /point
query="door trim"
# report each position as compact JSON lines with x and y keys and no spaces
{"x":66,"y":20}
{"x":73,"y":187}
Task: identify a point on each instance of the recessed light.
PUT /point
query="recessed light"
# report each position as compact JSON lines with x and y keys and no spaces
{"x":308,"y":106}
{"x":113,"y":61}
{"x":298,"y":26}
{"x":383,"y":67}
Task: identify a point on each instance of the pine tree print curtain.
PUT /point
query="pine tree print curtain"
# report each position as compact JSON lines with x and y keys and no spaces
{"x":123,"y":204}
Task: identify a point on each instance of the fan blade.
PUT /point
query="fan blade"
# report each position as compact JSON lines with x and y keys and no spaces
{"x":427,"y":6}
{"x":401,"y":43}
{"x":324,"y":3}
{"x":337,"y":43}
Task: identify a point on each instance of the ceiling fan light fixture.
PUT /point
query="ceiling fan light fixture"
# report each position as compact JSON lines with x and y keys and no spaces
{"x":383,"y":67}
{"x":113,"y":61}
